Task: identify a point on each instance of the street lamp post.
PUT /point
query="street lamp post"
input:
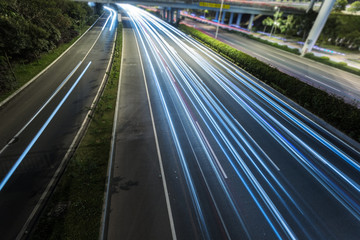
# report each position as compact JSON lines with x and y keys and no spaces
{"x":275,"y":18}
{"x":217,"y":26}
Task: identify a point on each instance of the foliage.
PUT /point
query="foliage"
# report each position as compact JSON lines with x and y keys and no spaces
{"x":340,"y":65}
{"x":354,"y":7}
{"x":340,"y":5}
{"x":342,"y":30}
{"x":267,"y":22}
{"x":333,"y":110}
{"x":303,"y":24}
{"x":32,"y":27}
{"x":288,"y":23}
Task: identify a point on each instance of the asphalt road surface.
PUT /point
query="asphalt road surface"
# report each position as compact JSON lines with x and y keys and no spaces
{"x":137,"y":207}
{"x":38,"y":126}
{"x":332,"y":80}
{"x":239,"y":161}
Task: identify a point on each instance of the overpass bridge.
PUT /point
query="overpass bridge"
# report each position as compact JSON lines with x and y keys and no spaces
{"x":235,"y":6}
{"x":172,"y":8}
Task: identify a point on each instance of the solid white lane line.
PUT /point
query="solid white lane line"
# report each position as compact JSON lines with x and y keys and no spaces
{"x":112,"y":148}
{"x":212,"y":151}
{"x":322,"y":83}
{"x":171,"y":219}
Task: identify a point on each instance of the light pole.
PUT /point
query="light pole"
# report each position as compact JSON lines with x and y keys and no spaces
{"x":275,"y":18}
{"x":217,"y":26}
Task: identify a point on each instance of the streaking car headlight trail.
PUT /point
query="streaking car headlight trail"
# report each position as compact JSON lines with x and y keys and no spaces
{"x":261,"y":160}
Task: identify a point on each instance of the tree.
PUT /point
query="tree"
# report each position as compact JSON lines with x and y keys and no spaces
{"x":288,"y":24}
{"x":278,"y":22}
{"x":340,"y":5}
{"x":354,"y":7}
{"x":267,"y":22}
{"x":29,"y":28}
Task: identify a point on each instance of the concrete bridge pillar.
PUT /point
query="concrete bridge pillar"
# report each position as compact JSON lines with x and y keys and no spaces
{"x":164,"y":13}
{"x":223,"y":18}
{"x":178,"y":15}
{"x":217,"y":15}
{"x":231,"y":18}
{"x":238,"y":20}
{"x":318,"y":26}
{"x":171,"y":15}
{"x":251,"y":22}
{"x":168,"y":15}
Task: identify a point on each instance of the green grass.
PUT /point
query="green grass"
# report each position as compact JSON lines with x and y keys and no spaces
{"x":25,"y":72}
{"x":74,"y":210}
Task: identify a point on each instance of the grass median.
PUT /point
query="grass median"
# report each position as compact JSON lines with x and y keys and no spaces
{"x":74,"y":209}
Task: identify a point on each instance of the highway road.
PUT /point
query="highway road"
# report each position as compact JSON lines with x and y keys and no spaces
{"x":38,"y":127}
{"x":240,"y":162}
{"x":332,"y":80}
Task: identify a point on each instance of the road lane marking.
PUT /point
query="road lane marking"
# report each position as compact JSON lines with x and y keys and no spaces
{"x":171,"y":219}
{"x":212,"y":151}
{"x":13,"y":139}
{"x":322,"y":83}
{"x":112,"y":147}
{"x":56,"y":91}
{"x":33,"y":141}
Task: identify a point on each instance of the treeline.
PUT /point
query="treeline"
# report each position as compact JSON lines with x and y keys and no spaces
{"x":342,"y":30}
{"x":29,"y":28}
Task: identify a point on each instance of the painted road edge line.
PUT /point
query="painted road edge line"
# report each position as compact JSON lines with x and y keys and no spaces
{"x":171,"y":219}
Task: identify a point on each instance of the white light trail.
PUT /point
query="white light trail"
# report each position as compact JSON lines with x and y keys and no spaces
{"x":33,"y":141}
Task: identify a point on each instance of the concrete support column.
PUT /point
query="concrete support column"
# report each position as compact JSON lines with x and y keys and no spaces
{"x":164,"y":13}
{"x":178,"y":15}
{"x":171,"y":15}
{"x":223,"y":18}
{"x":318,"y":26}
{"x":311,"y":5}
{"x":251,"y":22}
{"x":238,"y":20}
{"x":217,"y":15}
{"x":231,"y":18}
{"x":168,"y":15}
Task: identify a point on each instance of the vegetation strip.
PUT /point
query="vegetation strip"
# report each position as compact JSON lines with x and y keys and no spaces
{"x":325,"y":60}
{"x":331,"y":109}
{"x":74,"y":210}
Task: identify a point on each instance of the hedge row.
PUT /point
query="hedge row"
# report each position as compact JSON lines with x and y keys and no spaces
{"x":283,"y":47}
{"x":327,"y":61}
{"x":333,"y":110}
